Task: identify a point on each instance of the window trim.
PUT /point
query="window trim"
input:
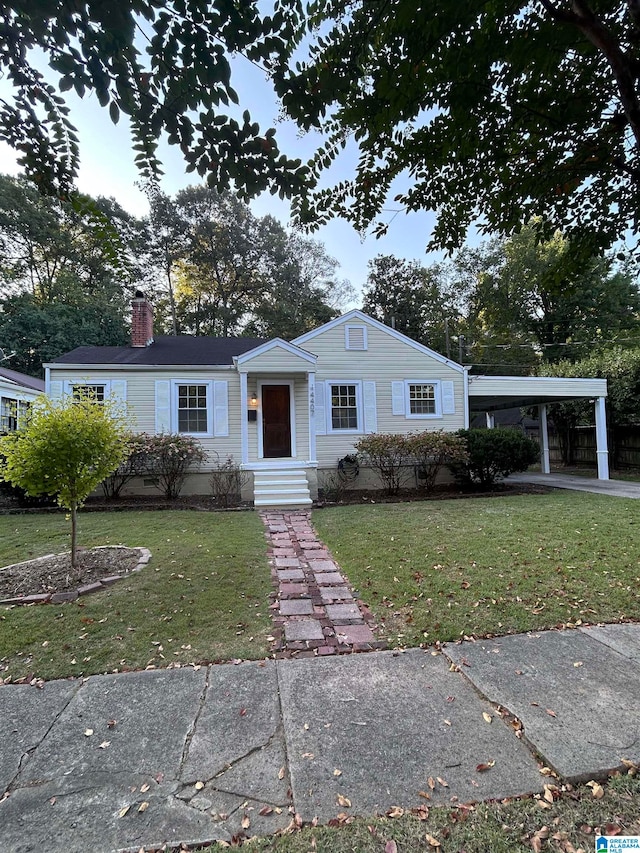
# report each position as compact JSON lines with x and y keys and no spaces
{"x":359,"y":430}
{"x":437,"y":395}
{"x":175,"y":386}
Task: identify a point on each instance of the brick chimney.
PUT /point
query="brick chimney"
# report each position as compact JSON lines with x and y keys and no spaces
{"x":141,"y":321}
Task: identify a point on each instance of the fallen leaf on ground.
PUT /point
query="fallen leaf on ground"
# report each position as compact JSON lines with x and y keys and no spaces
{"x":245,"y":822}
{"x":343,"y":801}
{"x":337,"y":772}
{"x":199,"y":786}
{"x":123,"y":811}
{"x":395,"y":811}
{"x":487,"y":717}
{"x":481,"y":768}
{"x":265,"y":811}
{"x":281,"y":773}
{"x":144,"y":788}
{"x":442,"y":782}
{"x":88,"y":732}
{"x":433,"y":842}
{"x":596,"y":789}
{"x":105,"y":744}
{"x":551,"y":713}
{"x":391,"y":847}
{"x":143,"y":806}
{"x":424,"y":794}
{"x":431,"y":782}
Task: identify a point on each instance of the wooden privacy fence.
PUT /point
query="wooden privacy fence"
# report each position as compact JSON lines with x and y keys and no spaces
{"x":624,"y":446}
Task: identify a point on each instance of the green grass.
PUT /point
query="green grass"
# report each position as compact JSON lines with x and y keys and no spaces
{"x":203,"y":597}
{"x":440,"y":570}
{"x":575,"y":818}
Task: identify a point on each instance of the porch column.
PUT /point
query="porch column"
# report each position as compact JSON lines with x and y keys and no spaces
{"x":311,"y":383}
{"x":544,"y":440}
{"x":602,"y":449}
{"x":491,"y":420}
{"x":244,"y":427}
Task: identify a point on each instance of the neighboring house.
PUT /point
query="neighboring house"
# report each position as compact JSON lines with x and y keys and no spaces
{"x":287,"y":411}
{"x":17,"y":393}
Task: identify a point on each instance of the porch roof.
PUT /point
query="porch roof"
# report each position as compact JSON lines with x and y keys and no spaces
{"x":276,"y":356}
{"x":491,"y":393}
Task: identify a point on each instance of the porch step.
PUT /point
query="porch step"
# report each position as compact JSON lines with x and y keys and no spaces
{"x":277,"y":487}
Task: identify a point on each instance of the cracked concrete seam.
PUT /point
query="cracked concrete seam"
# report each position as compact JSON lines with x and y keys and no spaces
{"x":277,"y":733}
{"x":194,"y":726}
{"x":24,"y":758}
{"x":522,"y":737}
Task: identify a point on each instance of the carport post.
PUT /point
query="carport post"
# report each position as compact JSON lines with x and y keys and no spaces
{"x":544,"y":440}
{"x":491,"y":420}
{"x":602,"y":449}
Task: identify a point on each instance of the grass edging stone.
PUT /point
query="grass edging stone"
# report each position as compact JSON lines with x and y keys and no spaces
{"x":86,"y":589}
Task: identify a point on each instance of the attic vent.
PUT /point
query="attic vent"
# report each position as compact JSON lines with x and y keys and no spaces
{"x":355,"y":337}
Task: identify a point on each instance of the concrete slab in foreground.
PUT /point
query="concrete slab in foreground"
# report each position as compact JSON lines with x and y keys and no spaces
{"x":577,"y":698}
{"x":388,"y":722}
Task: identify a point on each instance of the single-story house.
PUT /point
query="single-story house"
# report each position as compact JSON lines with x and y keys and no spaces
{"x":288,"y":411}
{"x":17,"y":393}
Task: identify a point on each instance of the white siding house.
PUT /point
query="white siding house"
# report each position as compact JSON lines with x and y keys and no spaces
{"x":284,"y":411}
{"x":17,"y":392}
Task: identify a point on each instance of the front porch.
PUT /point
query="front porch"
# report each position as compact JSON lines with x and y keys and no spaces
{"x":277,"y":432}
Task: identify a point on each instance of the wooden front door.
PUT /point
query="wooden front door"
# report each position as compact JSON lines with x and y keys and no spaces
{"x":276,"y":421}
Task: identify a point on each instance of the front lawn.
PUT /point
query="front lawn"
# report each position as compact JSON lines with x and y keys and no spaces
{"x":203,"y":597}
{"x":440,"y":570}
{"x":569,"y":825}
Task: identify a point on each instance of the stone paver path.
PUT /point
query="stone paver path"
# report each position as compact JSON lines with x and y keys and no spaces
{"x":314,"y":609}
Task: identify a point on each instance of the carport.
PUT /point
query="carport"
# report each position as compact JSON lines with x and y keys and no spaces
{"x":489,"y":394}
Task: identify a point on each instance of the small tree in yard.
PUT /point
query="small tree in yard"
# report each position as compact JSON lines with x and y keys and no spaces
{"x":66,"y":449}
{"x":169,"y":458}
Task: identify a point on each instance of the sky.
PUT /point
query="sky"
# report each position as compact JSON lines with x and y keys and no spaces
{"x":107,"y":168}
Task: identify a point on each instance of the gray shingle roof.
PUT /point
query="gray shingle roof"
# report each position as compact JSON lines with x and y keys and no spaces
{"x":165,"y":349}
{"x":22,"y":379}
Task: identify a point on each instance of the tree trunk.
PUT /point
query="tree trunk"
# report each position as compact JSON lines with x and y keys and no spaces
{"x":74,"y":530}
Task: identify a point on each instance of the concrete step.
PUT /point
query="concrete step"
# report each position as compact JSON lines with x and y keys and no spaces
{"x":281,"y":487}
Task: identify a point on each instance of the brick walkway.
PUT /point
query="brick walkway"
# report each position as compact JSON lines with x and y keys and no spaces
{"x":314,"y":610}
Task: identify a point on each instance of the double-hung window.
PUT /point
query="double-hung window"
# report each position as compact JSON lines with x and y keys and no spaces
{"x":345,"y":406}
{"x":93,"y":392}
{"x":8,"y":414}
{"x":193,"y":408}
{"x":422,"y":399}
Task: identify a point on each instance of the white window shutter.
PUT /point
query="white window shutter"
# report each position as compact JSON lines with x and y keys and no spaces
{"x":448,"y":399}
{"x":397,"y":398}
{"x":370,"y":411}
{"x":321,"y":417}
{"x":55,"y":389}
{"x":163,"y":405}
{"x":119,"y":391}
{"x":221,"y":408}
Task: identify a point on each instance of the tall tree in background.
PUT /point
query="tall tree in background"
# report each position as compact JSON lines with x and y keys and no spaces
{"x":496,"y":113}
{"x":66,"y":273}
{"x":167,"y":230}
{"x":218,"y":274}
{"x":413,"y":298}
{"x":530,"y":301}
{"x":300,"y":289}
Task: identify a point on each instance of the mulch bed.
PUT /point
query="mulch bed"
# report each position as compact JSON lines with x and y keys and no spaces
{"x":443,"y":492}
{"x":53,"y":573}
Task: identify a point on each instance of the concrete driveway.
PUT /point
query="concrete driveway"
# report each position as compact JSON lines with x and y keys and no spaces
{"x":615,"y":488}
